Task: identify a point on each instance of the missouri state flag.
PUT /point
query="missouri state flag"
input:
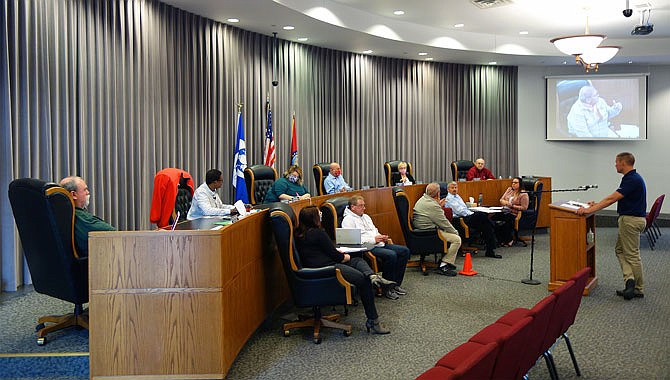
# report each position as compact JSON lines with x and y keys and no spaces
{"x":240,"y":163}
{"x":294,"y":144}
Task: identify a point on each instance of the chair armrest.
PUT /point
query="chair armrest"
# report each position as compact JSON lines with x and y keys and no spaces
{"x":315,"y":273}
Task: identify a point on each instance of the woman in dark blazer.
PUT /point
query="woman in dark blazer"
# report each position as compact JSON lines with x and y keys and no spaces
{"x":317,"y":250}
{"x":402,"y":176}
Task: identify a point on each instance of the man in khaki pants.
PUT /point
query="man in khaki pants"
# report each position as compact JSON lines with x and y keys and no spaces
{"x":631,"y":196}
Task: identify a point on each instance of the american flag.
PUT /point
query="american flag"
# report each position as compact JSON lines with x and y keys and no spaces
{"x":269,"y":141}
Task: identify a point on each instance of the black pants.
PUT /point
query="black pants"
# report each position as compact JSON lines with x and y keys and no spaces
{"x":505,"y":230}
{"x":481,"y":222}
{"x":358,"y":272}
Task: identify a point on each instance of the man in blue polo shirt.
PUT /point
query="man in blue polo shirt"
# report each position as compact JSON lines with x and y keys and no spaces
{"x":631,"y":207}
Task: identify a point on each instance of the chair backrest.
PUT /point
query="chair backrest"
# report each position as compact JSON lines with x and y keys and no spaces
{"x":541,"y":314}
{"x":320,"y":171}
{"x":533,"y":187}
{"x":391,"y":167}
{"x":660,"y":200}
{"x":402,"y":208}
{"x":580,"y":278}
{"x":184,"y":197}
{"x":460,"y":168}
{"x":332,"y":213}
{"x":470,"y":360}
{"x":259,"y":179}
{"x":44,"y":215}
{"x":654,"y":211}
{"x":555,"y":326}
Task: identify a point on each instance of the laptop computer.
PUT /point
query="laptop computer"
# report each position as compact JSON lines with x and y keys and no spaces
{"x":348,"y":237}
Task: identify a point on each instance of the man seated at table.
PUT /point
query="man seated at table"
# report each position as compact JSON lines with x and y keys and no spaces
{"x":475,"y":219}
{"x":205,"y":200}
{"x":334,"y":182}
{"x":428,"y":214}
{"x":394,"y":257}
{"x":84,"y":221}
{"x":478,"y":171}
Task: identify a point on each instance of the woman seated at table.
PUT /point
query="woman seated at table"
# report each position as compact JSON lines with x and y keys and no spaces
{"x":402,"y":176}
{"x":513,"y":201}
{"x":287,"y":187}
{"x":317,"y":250}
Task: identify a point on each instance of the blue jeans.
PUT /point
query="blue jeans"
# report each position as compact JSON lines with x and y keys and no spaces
{"x":394,"y":261}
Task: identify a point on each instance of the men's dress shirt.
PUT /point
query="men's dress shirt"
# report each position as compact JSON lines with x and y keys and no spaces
{"x":483,"y":174}
{"x":429,"y":214}
{"x":207,"y":203}
{"x":85,"y":222}
{"x":364,"y":223}
{"x":457,"y":206}
{"x":334,"y":184}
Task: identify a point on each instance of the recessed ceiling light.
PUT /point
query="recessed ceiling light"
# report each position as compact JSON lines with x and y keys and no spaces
{"x":288,"y":27}
{"x":493,"y":63}
{"x":459,"y":25}
{"x":398,"y":12}
{"x":233,"y":20}
{"x":423,"y":53}
{"x":367,"y":51}
{"x":524,"y":32}
{"x":302,"y":39}
{"x":429,"y":59}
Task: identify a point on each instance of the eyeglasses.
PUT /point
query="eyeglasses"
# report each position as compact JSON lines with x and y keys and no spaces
{"x":517,"y":182}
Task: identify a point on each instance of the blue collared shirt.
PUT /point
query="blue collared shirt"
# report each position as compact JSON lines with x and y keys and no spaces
{"x":334,"y":184}
{"x":634,"y":191}
{"x":457,"y":206}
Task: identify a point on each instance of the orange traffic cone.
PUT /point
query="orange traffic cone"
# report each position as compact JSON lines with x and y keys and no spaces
{"x":467,"y":266}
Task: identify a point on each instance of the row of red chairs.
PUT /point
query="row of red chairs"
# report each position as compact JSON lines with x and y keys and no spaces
{"x":651,"y":229}
{"x":510,"y":347}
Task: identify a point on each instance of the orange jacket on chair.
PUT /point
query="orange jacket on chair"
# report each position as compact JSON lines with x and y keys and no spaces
{"x":166,"y":182}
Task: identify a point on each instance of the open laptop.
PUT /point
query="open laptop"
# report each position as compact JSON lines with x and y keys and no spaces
{"x":351,"y":238}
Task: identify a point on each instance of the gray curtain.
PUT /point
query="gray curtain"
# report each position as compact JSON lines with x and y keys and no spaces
{"x":115,"y":91}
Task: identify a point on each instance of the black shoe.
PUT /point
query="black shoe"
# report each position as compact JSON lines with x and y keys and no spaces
{"x":493,"y":255}
{"x":629,"y":292}
{"x":446,"y":271}
{"x":638,"y":294}
{"x":390,"y":294}
{"x":450,"y":266}
{"x":399,"y":291}
{"x":376,"y":327}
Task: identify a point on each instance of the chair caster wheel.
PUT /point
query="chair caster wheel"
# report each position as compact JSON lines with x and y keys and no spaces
{"x":425,"y":273}
{"x":39,"y":327}
{"x":41,"y":341}
{"x":317,"y":340}
{"x":287,"y":333}
{"x":346,"y":332}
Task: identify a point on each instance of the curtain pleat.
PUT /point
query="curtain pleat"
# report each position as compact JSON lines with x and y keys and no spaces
{"x":117,"y":90}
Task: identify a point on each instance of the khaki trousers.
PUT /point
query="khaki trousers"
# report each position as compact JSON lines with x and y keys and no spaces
{"x":454,"y":244}
{"x":627,"y":248}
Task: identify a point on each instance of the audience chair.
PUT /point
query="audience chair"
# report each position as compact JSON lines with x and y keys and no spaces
{"x":460,"y":168}
{"x":527,"y":219}
{"x":173,"y":191}
{"x":555,"y":326}
{"x":469,"y":361}
{"x":332,"y":214}
{"x":259,"y":179}
{"x":391,"y":167}
{"x":320,"y":171}
{"x":651,"y":228}
{"x":310,"y":287}
{"x":44,"y":215}
{"x":419,"y":242}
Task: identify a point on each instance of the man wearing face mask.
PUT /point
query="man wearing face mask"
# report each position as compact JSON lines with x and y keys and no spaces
{"x":590,"y":115}
{"x":84,"y":221}
{"x":335,"y":183}
{"x":288,"y":187}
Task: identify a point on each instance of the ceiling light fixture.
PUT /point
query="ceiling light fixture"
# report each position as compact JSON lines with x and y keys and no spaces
{"x":289,"y":27}
{"x":585,"y":47}
{"x":367,"y":51}
{"x":398,"y":12}
{"x":233,"y":20}
{"x":302,"y":39}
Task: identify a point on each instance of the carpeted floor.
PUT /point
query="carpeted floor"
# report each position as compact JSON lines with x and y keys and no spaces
{"x":613,"y":338}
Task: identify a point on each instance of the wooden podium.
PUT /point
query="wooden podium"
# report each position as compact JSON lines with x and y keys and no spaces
{"x":570,"y":250}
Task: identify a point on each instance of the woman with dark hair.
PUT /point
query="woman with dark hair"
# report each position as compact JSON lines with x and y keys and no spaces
{"x":514,"y":200}
{"x":317,"y":250}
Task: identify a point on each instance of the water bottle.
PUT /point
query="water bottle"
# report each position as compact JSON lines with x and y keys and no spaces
{"x":480,"y":200}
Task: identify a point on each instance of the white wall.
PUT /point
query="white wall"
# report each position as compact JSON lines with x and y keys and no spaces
{"x":571,"y":164}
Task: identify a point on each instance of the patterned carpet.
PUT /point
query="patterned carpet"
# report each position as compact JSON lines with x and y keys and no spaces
{"x":612,"y":338}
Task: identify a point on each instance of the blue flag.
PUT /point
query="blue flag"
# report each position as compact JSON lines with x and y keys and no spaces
{"x":240,"y":161}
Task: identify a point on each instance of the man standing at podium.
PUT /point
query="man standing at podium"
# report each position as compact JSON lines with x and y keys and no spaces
{"x":631,"y":207}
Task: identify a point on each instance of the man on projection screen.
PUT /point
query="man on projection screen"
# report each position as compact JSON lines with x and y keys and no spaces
{"x":589,"y":116}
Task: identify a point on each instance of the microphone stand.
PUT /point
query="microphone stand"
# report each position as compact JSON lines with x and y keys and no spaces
{"x":530,"y":280}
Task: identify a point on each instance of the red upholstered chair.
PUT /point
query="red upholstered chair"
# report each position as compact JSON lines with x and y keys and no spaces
{"x":651,"y":228}
{"x":555,"y":328}
{"x":512,"y":340}
{"x":469,"y":361}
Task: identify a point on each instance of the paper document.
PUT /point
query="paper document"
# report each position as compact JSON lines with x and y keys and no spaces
{"x":351,"y":249}
{"x":570,"y":206}
{"x":241,"y":208}
{"x":578,"y":204}
{"x":488,"y":210}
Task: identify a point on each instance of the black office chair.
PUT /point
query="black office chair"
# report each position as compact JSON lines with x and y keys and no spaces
{"x":259,"y":179}
{"x":332,"y":214}
{"x":183,"y":201}
{"x":320,"y":171}
{"x":527,"y":219}
{"x":460,"y":168}
{"x":44,"y":215}
{"x":310,"y":287}
{"x":419,"y":242}
{"x":391,"y":167}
